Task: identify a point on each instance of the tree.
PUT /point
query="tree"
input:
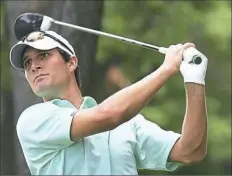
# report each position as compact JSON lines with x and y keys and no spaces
{"x":85,"y":13}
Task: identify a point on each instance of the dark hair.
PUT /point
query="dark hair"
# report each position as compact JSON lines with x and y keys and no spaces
{"x":66,"y":58}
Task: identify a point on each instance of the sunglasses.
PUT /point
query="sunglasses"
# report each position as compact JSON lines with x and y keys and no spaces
{"x":39,"y":35}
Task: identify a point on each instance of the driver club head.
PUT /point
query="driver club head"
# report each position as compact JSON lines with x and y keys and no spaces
{"x":29,"y":22}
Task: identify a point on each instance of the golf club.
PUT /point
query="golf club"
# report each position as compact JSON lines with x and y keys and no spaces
{"x":29,"y":22}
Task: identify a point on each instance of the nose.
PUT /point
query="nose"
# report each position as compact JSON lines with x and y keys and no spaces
{"x":36,"y":66}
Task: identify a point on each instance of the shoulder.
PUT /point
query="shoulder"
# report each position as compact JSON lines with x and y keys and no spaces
{"x":39,"y":108}
{"x":36,"y":110}
{"x":34,"y":114}
{"x":139,"y":119}
{"x":142,"y":124}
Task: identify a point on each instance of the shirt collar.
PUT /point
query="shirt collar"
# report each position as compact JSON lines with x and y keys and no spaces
{"x":87,"y":103}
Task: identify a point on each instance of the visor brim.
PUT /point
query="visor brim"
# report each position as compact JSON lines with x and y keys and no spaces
{"x":17,"y":50}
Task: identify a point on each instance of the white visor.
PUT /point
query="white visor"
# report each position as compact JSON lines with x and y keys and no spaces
{"x":45,"y":43}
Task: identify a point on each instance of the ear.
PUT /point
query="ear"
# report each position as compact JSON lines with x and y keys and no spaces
{"x":73,"y":63}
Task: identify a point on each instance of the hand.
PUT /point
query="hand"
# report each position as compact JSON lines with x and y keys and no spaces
{"x":194,"y":73}
{"x":174,"y":57}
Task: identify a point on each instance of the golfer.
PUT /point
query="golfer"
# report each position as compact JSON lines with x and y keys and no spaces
{"x":68,"y":134}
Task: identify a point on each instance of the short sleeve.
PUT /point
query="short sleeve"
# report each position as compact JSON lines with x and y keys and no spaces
{"x":45,"y":126}
{"x":154,"y":145}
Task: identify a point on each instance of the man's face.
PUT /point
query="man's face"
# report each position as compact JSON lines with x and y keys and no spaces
{"x":46,"y":71}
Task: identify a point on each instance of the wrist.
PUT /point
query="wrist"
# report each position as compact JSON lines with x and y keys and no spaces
{"x":195,"y":89}
{"x":193,"y":85}
{"x":168,"y":70}
{"x":194,"y":79}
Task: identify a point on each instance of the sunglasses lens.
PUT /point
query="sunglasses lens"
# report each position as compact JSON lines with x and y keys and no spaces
{"x":35,"y":36}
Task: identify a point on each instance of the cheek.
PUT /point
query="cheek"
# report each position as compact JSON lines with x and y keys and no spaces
{"x":59,"y":73}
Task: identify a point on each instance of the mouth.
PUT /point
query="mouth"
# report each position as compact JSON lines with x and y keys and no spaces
{"x":39,"y":76}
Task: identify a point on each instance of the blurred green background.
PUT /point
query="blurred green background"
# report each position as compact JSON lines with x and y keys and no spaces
{"x":118,"y":64}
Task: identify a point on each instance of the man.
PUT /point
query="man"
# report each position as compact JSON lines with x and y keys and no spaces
{"x":71,"y":134}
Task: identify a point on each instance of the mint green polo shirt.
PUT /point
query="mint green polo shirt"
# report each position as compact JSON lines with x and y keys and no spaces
{"x":44,"y":134}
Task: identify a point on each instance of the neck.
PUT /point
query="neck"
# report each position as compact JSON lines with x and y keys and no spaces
{"x":71,"y":93}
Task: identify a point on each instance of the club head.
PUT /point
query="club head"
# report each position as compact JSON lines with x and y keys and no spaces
{"x":29,"y":22}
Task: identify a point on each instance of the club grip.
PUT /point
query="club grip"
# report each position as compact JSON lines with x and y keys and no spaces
{"x":190,"y":54}
{"x":163,"y":50}
{"x":196,"y":59}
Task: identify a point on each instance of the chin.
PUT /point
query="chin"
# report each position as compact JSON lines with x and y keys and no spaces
{"x":41,"y":93}
{"x":45,"y":91}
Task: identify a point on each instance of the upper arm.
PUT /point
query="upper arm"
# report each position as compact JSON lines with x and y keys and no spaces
{"x":154,"y":145}
{"x":91,"y":121}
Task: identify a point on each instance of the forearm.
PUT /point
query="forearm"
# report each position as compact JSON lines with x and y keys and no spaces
{"x":126,"y":103}
{"x":194,"y":130}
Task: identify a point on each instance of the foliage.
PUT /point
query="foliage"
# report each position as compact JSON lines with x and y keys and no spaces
{"x":162,"y":23}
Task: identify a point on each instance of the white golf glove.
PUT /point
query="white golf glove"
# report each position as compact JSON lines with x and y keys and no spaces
{"x":192,"y":72}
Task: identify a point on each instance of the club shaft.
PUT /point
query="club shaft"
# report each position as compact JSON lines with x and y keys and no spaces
{"x":145,"y":45}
